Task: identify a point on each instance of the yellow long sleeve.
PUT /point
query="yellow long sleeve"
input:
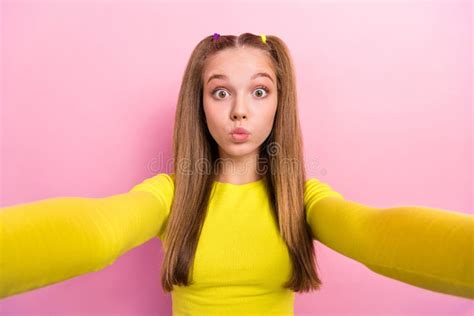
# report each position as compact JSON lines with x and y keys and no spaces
{"x":55,"y":239}
{"x":426,"y":247}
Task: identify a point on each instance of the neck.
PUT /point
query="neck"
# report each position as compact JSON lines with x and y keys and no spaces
{"x":238,"y":170}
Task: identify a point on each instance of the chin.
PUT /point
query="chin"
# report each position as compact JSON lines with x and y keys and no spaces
{"x":238,"y":150}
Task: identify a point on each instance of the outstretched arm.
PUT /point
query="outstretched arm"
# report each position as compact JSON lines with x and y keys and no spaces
{"x":426,"y":247}
{"x":52,"y":240}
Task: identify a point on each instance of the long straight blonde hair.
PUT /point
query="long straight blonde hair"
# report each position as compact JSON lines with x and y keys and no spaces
{"x":280,"y":161}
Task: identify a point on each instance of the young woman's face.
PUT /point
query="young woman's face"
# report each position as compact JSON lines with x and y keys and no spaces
{"x":240,"y":90}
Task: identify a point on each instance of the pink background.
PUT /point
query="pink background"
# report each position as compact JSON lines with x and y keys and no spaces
{"x":88,"y":98}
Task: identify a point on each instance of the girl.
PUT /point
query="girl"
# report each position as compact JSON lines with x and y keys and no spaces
{"x":237,"y":217}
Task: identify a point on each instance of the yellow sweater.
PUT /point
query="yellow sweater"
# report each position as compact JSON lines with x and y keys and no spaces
{"x":241,"y":261}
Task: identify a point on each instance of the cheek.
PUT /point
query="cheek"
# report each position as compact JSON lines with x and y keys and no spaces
{"x":268,"y":125}
{"x":266,"y":117}
{"x":213,"y":120}
{"x":211,"y":113}
{"x":215,"y":112}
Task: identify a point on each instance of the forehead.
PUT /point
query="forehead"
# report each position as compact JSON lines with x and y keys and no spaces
{"x":238,"y":61}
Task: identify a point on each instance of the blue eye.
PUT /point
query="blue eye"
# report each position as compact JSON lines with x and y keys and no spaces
{"x":221,"y":89}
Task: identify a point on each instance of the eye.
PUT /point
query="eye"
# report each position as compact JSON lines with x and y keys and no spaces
{"x":262,"y":88}
{"x":217,"y":92}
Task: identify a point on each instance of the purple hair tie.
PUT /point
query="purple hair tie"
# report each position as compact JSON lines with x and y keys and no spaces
{"x":215,"y":36}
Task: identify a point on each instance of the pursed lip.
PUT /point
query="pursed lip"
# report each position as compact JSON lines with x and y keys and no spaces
{"x":240,"y":130}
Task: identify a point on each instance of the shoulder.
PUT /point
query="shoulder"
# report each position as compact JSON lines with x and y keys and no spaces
{"x":316,"y":190}
{"x":161,"y":184}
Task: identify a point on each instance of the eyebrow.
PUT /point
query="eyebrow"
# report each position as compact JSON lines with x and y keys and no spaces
{"x":224,"y":77}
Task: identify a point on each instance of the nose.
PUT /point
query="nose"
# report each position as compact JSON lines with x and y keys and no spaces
{"x":239,"y":111}
{"x":238,"y":116}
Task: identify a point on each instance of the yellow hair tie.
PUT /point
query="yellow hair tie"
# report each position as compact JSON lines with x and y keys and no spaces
{"x":264,"y":38}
